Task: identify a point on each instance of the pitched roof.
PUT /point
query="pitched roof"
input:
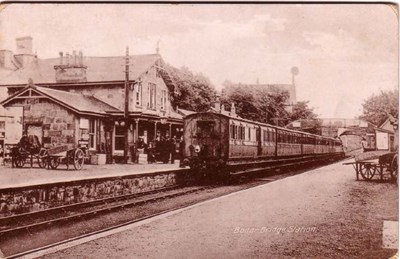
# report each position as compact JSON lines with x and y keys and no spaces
{"x":99,"y":69}
{"x":184,"y":112}
{"x":73,"y":101}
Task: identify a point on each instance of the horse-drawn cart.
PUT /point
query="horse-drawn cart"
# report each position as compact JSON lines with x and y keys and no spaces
{"x":380,"y":163}
{"x":29,"y":149}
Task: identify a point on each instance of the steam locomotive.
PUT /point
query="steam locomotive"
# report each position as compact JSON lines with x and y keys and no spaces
{"x":216,"y":143}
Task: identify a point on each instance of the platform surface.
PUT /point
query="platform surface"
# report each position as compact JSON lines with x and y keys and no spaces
{"x":26,"y":176}
{"x":318,"y":214}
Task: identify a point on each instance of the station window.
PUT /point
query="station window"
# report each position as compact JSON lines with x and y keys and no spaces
{"x":92,"y":134}
{"x":119,"y":138}
{"x":139,"y":94}
{"x":152,"y":96}
{"x":163,"y":100}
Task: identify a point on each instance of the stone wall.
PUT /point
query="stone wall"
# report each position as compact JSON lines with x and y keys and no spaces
{"x":59,"y":126}
{"x":29,"y":199}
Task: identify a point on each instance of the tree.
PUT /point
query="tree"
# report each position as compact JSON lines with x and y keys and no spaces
{"x":377,"y":107}
{"x":256,"y":103}
{"x":192,"y":91}
{"x":302,"y":111}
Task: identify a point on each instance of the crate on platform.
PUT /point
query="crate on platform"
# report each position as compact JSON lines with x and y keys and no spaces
{"x":142,"y":159}
{"x":94,"y":159}
{"x":102,"y":160}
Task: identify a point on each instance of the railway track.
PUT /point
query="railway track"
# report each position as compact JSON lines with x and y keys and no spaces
{"x":34,"y":220}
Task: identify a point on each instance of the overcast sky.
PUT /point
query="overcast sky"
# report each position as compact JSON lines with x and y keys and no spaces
{"x":344,"y":53}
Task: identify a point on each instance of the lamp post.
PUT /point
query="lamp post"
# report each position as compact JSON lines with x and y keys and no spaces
{"x":126,"y":110}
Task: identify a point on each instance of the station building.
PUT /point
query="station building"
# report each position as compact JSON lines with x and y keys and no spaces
{"x":80,"y":100}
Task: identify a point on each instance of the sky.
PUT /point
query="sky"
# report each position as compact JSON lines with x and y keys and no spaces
{"x":344,"y":52}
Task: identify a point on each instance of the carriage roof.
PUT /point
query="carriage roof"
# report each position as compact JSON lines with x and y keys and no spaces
{"x":258,"y":123}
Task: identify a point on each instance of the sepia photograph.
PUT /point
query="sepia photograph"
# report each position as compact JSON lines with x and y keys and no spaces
{"x":199,"y":130}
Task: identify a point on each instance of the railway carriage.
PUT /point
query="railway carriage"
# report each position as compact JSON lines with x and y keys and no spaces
{"x":216,"y":140}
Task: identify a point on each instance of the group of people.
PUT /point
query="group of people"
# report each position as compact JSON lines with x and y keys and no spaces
{"x":162,"y":148}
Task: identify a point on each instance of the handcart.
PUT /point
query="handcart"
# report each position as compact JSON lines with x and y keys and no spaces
{"x":376,"y":163}
{"x":53,"y":157}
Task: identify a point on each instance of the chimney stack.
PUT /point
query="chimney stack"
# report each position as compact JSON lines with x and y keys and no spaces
{"x":24,"y":45}
{"x":6,"y":59}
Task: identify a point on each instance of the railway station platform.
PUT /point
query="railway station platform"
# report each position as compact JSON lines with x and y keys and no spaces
{"x":26,"y":176}
{"x":322,"y":213}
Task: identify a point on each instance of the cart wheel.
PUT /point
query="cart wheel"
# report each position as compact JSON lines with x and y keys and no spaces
{"x":367,"y":171}
{"x":54,"y":162}
{"x":79,"y":159}
{"x":19,"y":161}
{"x":394,"y":168}
{"x":43,"y":158}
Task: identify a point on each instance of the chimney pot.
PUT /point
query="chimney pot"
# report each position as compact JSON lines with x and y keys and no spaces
{"x":61,"y":57}
{"x":74,"y":54}
{"x":80,"y":58}
{"x":67,"y":58}
{"x":233,"y":109}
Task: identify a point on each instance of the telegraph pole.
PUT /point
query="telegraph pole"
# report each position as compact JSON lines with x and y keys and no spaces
{"x":126,"y":110}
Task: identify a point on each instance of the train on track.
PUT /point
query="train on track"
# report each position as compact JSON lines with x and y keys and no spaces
{"x":221,"y":144}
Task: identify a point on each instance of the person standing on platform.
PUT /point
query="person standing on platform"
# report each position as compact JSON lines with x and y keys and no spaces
{"x":172,"y":148}
{"x":181,"y":151}
{"x":165,"y":149}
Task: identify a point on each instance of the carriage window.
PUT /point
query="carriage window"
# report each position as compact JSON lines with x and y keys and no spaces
{"x":232,"y":128}
{"x":205,"y":128}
